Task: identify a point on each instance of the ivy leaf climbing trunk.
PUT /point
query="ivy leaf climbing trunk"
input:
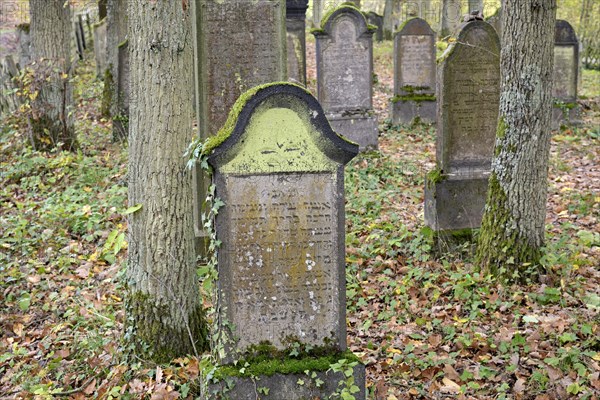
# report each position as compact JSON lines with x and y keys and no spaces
{"x":512,"y":231}
{"x":164,"y":314}
{"x":51,"y":124}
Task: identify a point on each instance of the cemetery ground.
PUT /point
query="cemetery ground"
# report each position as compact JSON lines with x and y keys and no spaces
{"x":426,"y":327}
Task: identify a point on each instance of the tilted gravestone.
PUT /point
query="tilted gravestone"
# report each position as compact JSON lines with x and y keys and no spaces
{"x":414,"y":73}
{"x":376,"y":20}
{"x":468,"y":95}
{"x":24,"y":47}
{"x":295,"y":15}
{"x":566,"y":71}
{"x":100,"y":49}
{"x":279,"y":170}
{"x":345,"y":74}
{"x":238,"y":44}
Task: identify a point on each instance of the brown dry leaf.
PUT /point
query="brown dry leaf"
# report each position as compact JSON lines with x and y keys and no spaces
{"x":84,"y":271}
{"x":519,"y":387}
{"x":34,"y":278}
{"x":159,"y":374}
{"x":451,"y":373}
{"x":89,"y":389}
{"x":18,"y":329}
{"x":449,"y":386}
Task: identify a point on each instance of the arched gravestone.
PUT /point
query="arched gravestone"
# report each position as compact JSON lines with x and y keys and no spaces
{"x":496,"y":21}
{"x":279,"y":170}
{"x":468,"y":95}
{"x":566,"y":71}
{"x":414,"y":73}
{"x":345,"y":74}
{"x":376,"y":20}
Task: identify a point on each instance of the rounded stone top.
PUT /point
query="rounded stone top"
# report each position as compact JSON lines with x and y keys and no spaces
{"x":564,"y":33}
{"x":474,"y":34}
{"x":278,"y":95}
{"x":415,"y":26}
{"x":344,"y":9}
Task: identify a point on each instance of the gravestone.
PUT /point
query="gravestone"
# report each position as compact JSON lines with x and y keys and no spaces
{"x":100,"y":49}
{"x":9,"y":101}
{"x":24,"y":47}
{"x":566,"y":71}
{"x":452,"y":17}
{"x":345,"y":74}
{"x":279,"y":170}
{"x":295,"y":21}
{"x":414,"y":73}
{"x":121,"y":119}
{"x":468,"y":95}
{"x":376,"y":20}
{"x":80,"y":47}
{"x":238,"y":44}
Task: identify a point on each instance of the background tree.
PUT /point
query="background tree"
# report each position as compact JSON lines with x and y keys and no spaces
{"x":116,"y":33}
{"x":164,"y":313}
{"x":512,"y":231}
{"x":50,"y":123}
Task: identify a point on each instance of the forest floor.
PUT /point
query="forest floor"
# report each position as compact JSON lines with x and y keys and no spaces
{"x":426,"y":328}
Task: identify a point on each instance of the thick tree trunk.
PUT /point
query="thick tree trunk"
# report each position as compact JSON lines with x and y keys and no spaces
{"x":164,"y":313}
{"x":388,"y":19}
{"x":50,"y":27}
{"x":512,"y":231}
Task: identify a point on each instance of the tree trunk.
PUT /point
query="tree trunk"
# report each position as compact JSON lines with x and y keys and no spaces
{"x":50,"y":124}
{"x":116,"y":32}
{"x":451,"y":16}
{"x":388,"y":19}
{"x":512,"y":231}
{"x":165,"y":318}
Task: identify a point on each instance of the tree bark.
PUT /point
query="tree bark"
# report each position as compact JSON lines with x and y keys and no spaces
{"x":512,"y":231}
{"x":165,"y":318}
{"x":51,"y":33}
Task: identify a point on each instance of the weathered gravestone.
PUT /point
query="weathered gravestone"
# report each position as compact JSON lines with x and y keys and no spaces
{"x":79,"y":44}
{"x":345,"y":74}
{"x":100,"y":49}
{"x":376,"y":20}
{"x":279,"y":170}
{"x":566,"y":70}
{"x":295,"y":15}
{"x":238,"y":44}
{"x":121,"y":119}
{"x":468,"y":95}
{"x":414,"y":73}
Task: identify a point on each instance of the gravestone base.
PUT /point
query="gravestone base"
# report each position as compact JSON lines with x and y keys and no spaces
{"x":454,"y":206}
{"x":288,"y":386}
{"x":360,"y":127}
{"x":405,"y":112}
{"x":566,"y":116}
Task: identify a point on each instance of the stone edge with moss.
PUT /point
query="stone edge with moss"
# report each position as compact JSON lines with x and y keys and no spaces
{"x":349,"y":5}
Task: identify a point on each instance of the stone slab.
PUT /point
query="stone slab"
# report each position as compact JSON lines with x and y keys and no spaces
{"x":405,"y":112}
{"x":287,"y":387}
{"x":455,"y":203}
{"x":361,"y":128}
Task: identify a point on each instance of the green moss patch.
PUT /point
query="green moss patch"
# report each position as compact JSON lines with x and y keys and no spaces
{"x":265,"y":366}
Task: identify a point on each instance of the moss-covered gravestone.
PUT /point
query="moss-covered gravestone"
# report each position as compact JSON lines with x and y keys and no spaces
{"x":414,"y":73}
{"x":566,"y":71}
{"x":345,"y":74}
{"x":279,"y":170}
{"x":496,"y":21}
{"x":238,"y":44}
{"x":468,"y":95}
